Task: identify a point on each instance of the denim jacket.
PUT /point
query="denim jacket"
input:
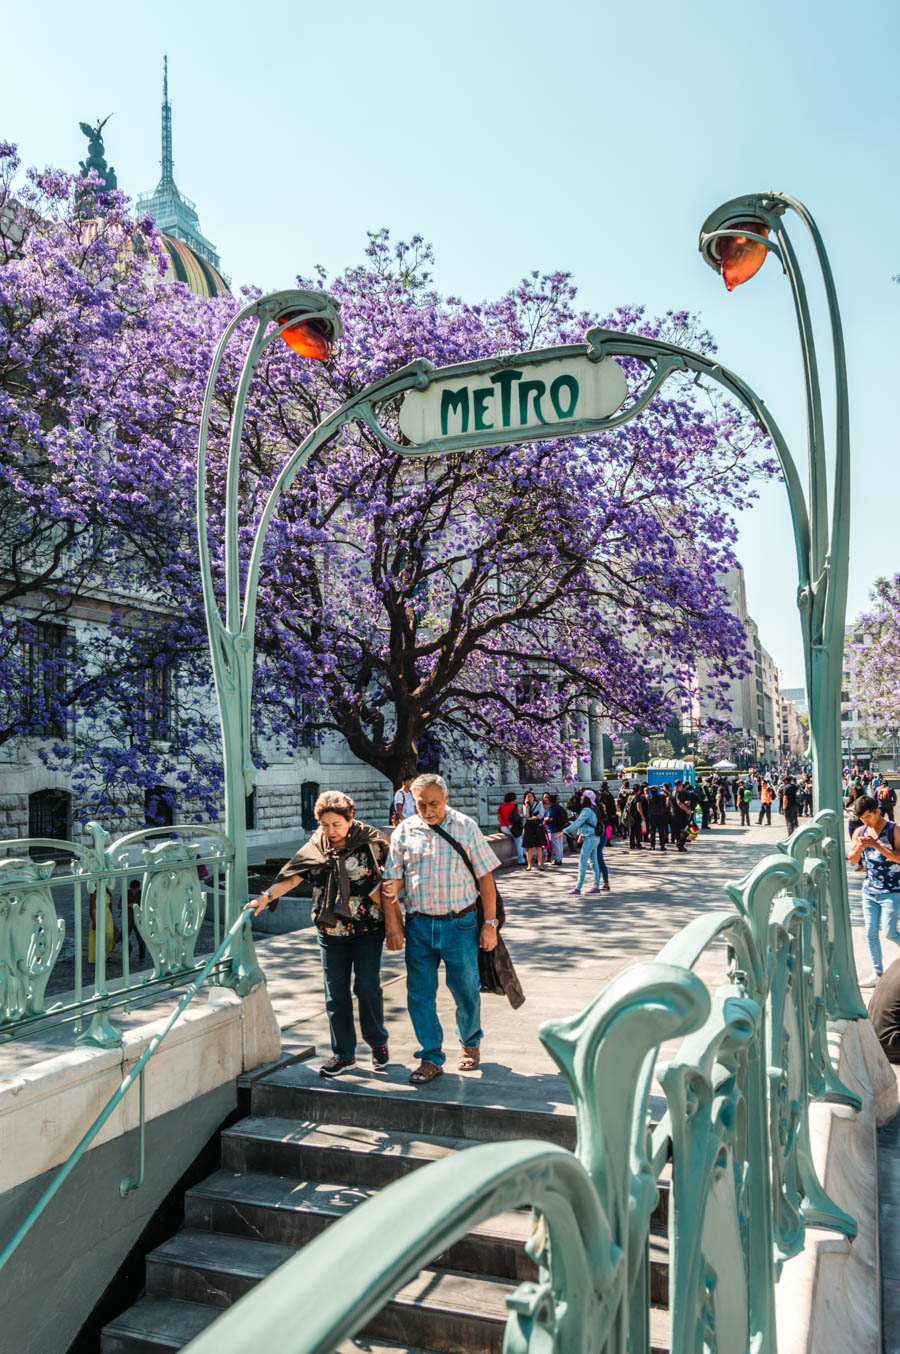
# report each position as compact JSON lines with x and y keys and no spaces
{"x":585,"y":823}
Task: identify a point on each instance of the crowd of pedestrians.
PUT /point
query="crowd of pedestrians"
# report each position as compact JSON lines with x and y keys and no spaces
{"x":657,"y":818}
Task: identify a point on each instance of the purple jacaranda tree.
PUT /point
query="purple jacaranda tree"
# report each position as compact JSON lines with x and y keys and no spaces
{"x":486,"y":601}
{"x":481,"y":602}
{"x":100,"y":364}
{"x":873,"y":658}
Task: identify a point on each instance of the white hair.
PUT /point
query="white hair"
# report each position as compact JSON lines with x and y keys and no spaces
{"x":429,"y":778}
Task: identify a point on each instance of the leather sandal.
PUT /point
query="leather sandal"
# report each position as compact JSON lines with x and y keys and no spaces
{"x":468,"y":1059}
{"x":424,"y":1073}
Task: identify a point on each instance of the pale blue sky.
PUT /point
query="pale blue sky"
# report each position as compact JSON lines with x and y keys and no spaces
{"x":588,"y":136}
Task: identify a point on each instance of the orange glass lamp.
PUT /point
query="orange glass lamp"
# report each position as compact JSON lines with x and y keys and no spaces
{"x":741,"y":256}
{"x":734,"y":242}
{"x":309,"y":336}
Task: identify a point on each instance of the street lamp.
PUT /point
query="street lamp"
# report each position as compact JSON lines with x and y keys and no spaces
{"x":735,"y":240}
{"x":309,"y":323}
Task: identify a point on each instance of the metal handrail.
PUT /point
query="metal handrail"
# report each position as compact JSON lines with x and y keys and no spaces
{"x":136,"y":1072}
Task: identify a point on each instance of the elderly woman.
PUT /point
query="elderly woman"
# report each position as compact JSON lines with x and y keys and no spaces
{"x":342,"y":860}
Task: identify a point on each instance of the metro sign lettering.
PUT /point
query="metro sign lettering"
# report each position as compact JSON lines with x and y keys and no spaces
{"x":530,"y":398}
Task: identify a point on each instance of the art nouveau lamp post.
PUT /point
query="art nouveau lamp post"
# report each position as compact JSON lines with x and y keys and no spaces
{"x":308,"y":322}
{"x":735,"y":240}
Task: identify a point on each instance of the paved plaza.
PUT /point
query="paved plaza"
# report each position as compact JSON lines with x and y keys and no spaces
{"x":565,"y":949}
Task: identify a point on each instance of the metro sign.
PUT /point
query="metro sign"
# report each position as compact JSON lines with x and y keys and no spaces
{"x":526,"y":398}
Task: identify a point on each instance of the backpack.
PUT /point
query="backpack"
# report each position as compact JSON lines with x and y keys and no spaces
{"x":747,"y":794}
{"x":557,"y":818}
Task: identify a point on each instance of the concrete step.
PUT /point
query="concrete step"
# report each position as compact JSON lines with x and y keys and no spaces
{"x":154,"y":1325}
{"x":442,"y":1310}
{"x":210,"y":1267}
{"x":291,"y":1212}
{"x":157,"y":1326}
{"x":297,"y":1092}
{"x":348,"y":1154}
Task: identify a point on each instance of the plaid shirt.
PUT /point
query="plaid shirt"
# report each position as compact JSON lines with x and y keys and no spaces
{"x":435,"y":876}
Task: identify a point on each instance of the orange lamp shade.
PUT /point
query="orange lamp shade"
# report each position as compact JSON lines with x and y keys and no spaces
{"x":309,"y":338}
{"x":740,"y":258}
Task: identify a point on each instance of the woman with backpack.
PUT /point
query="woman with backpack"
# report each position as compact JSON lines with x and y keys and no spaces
{"x":556,"y":820}
{"x":510,"y":821}
{"x":533,"y":838}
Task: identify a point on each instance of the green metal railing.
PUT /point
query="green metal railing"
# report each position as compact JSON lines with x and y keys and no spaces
{"x":734,"y":1139}
{"x":128,"y":1184}
{"x":173,"y":905}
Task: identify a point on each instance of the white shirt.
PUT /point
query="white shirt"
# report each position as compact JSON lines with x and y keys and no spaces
{"x":404,"y":804}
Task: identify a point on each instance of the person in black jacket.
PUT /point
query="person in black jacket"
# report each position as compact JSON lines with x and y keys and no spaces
{"x":609,"y":807}
{"x":657,"y":818}
{"x":680,"y":815}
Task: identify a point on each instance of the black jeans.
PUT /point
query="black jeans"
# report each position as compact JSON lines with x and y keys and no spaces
{"x":658,"y":825}
{"x":745,"y":814}
{"x":767,"y":810}
{"x":635,"y":836}
{"x":359,"y":956}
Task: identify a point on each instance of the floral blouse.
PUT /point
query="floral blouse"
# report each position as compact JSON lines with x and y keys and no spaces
{"x":367,"y":916}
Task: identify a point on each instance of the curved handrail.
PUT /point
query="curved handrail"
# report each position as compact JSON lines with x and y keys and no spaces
{"x":119,"y":1094}
{"x":735,"y":1130}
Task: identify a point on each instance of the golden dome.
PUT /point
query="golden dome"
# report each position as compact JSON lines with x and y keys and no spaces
{"x":186,"y":266}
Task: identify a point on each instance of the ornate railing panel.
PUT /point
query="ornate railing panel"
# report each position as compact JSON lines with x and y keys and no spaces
{"x":751,"y":1057}
{"x":46,"y":902}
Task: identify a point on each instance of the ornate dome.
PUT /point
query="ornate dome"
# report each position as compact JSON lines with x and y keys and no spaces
{"x":188,"y":267}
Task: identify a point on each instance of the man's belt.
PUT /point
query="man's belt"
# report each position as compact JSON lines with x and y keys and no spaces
{"x":444,"y":916}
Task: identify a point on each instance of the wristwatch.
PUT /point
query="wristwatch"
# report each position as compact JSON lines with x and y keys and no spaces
{"x":491,"y":921}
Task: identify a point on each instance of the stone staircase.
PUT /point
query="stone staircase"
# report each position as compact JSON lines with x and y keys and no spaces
{"x":307,"y":1152}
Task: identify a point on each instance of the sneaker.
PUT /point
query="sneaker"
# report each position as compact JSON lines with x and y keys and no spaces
{"x":871,"y":980}
{"x":379,"y":1058}
{"x":336,"y":1066}
{"x":595,"y":890}
{"x":605,"y":889}
{"x":578,"y":891}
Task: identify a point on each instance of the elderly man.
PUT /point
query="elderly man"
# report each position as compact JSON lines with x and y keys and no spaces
{"x":441,"y":920}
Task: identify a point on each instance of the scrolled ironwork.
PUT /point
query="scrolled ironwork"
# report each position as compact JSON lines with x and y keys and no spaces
{"x":31,"y":936}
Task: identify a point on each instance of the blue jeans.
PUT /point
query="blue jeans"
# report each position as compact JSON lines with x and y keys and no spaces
{"x":592,"y":850}
{"x":507,"y":831}
{"x":873,"y":906}
{"x":360,"y":957}
{"x":455,"y":941}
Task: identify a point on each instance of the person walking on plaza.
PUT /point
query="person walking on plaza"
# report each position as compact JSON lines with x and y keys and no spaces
{"x":788,"y":792}
{"x":342,"y":860}
{"x":427,"y":858}
{"x":511,"y":824}
{"x":886,"y":798}
{"x":874,"y":845}
{"x":657,"y":818}
{"x":745,"y":794}
{"x":679,"y":816}
{"x":766,"y":795}
{"x":633,"y":819}
{"x":621,"y":800}
{"x":703,"y":803}
{"x":607,"y":800}
{"x":556,"y":822}
{"x":533,"y":831}
{"x":587,"y":828}
{"x":720,"y":801}
{"x":403,"y":805}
